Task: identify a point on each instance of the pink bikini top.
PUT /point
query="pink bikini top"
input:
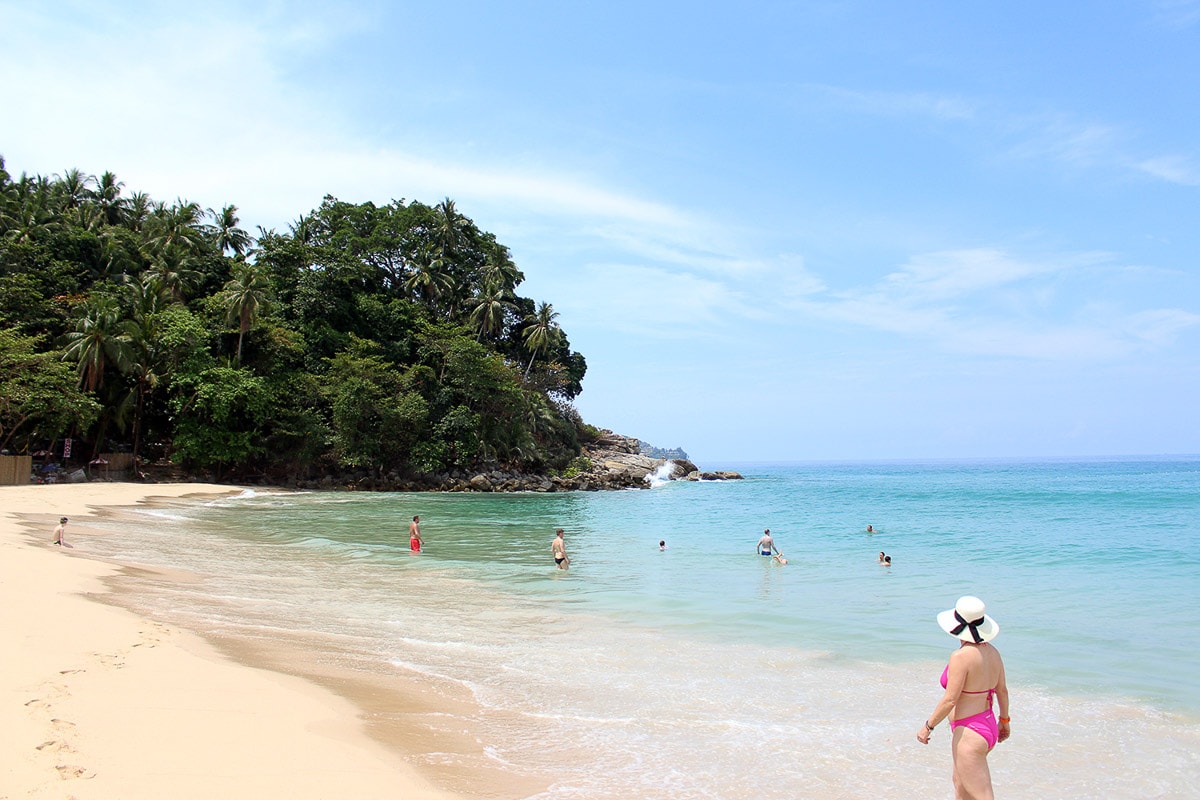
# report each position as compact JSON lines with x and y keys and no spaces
{"x":988,"y":692}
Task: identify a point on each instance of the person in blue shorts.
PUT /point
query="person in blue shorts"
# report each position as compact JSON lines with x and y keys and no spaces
{"x":766,"y":545}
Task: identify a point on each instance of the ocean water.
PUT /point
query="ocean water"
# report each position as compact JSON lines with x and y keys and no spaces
{"x":707,"y":671}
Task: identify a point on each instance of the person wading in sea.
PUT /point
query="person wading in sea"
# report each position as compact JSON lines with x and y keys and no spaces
{"x":559,"y":549}
{"x":414,"y":535}
{"x":59,"y":530}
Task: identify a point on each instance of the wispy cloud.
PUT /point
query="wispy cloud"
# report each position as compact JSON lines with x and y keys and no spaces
{"x":1063,"y":139}
{"x":1174,"y":169}
{"x":1177,"y":13}
{"x":654,"y":302}
{"x":1058,"y":137}
{"x":1089,"y":145}
{"x":897,"y":103}
{"x":986,"y":302}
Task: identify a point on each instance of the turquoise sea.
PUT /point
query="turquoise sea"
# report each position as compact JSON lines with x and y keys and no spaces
{"x":707,"y":671}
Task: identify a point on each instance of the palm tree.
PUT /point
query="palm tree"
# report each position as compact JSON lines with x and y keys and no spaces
{"x":176,"y":227}
{"x":500,"y":267}
{"x":74,"y":188}
{"x":450,"y":228}
{"x":429,"y":278}
{"x":86,"y":217}
{"x":137,"y":210}
{"x":100,"y":338}
{"x":226,"y":231}
{"x":173,"y":268}
{"x":117,"y":260}
{"x":304,"y":229}
{"x":144,"y":331}
{"x":487,"y":312}
{"x":245,"y":296}
{"x":108,"y":199}
{"x":147,"y":296}
{"x":32,"y":210}
{"x":541,"y":332}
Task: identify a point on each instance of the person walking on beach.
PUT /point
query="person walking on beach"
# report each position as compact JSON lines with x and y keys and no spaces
{"x":766,"y":545}
{"x":414,"y":535}
{"x":559,"y":549}
{"x":59,"y":530}
{"x":973,"y":677}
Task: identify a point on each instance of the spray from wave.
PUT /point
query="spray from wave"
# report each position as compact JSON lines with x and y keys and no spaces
{"x":662,"y":475}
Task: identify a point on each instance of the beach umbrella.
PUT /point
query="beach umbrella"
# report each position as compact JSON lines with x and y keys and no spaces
{"x":41,"y":454}
{"x":98,"y":462}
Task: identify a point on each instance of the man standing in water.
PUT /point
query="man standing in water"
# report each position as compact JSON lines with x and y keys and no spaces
{"x":766,"y":545}
{"x":559,"y":549}
{"x":414,"y":535}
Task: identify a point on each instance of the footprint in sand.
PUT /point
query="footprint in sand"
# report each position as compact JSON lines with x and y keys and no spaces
{"x":153,"y":637}
{"x":69,"y":771}
{"x":49,"y":693}
{"x":55,"y":746}
{"x":62,"y":724}
{"x":70,"y":671}
{"x":114,"y":660}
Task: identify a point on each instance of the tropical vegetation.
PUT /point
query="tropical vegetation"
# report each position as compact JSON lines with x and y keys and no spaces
{"x":388,"y":338}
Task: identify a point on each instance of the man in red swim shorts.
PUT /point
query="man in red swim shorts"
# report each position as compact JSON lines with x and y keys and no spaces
{"x":414,"y":535}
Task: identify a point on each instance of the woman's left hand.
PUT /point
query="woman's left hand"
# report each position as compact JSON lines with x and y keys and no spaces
{"x":923,"y":734}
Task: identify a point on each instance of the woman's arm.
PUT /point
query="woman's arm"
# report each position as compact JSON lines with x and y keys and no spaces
{"x":1002,"y":704}
{"x":955,"y":681}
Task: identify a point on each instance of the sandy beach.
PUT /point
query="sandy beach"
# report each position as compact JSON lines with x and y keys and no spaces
{"x":98,"y":703}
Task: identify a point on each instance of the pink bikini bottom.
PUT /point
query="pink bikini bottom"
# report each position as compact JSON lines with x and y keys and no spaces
{"x":983,"y":723}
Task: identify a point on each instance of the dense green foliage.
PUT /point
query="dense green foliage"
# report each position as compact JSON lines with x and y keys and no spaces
{"x":382,"y":337}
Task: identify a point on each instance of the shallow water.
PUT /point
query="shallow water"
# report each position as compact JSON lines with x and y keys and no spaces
{"x":708,"y":671}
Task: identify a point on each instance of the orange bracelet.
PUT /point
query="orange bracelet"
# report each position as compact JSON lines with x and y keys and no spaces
{"x":1006,"y":719}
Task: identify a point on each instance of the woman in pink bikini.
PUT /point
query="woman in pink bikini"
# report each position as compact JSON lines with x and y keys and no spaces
{"x":973,"y":677}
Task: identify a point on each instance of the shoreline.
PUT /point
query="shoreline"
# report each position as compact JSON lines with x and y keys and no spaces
{"x":102,"y":701}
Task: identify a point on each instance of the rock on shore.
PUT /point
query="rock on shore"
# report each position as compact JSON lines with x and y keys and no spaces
{"x":618,"y":463}
{"x":611,"y":462}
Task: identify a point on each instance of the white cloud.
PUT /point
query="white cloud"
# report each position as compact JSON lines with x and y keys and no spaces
{"x":1174,"y":169}
{"x":954,"y":274}
{"x":985,"y":302}
{"x":1177,"y":13}
{"x":1159,"y":327}
{"x":916,"y":103}
{"x":1066,"y":140}
{"x":652,"y":301}
{"x":206,"y":105}
{"x":1093,"y":145}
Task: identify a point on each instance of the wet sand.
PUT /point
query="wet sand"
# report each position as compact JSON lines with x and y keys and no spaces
{"x":97,"y":702}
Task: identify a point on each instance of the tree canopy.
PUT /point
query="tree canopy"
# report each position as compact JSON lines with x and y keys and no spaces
{"x":383,"y":337}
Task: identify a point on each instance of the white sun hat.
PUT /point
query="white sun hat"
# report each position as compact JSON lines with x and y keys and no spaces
{"x":966,"y":621}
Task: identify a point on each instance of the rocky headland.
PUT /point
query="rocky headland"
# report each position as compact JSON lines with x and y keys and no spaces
{"x":610,"y":462}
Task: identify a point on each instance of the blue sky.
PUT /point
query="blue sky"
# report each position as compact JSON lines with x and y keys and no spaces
{"x":782,"y":231}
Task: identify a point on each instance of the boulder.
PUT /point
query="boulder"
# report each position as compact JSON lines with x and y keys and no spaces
{"x":480,"y":483}
{"x":681,"y":468}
